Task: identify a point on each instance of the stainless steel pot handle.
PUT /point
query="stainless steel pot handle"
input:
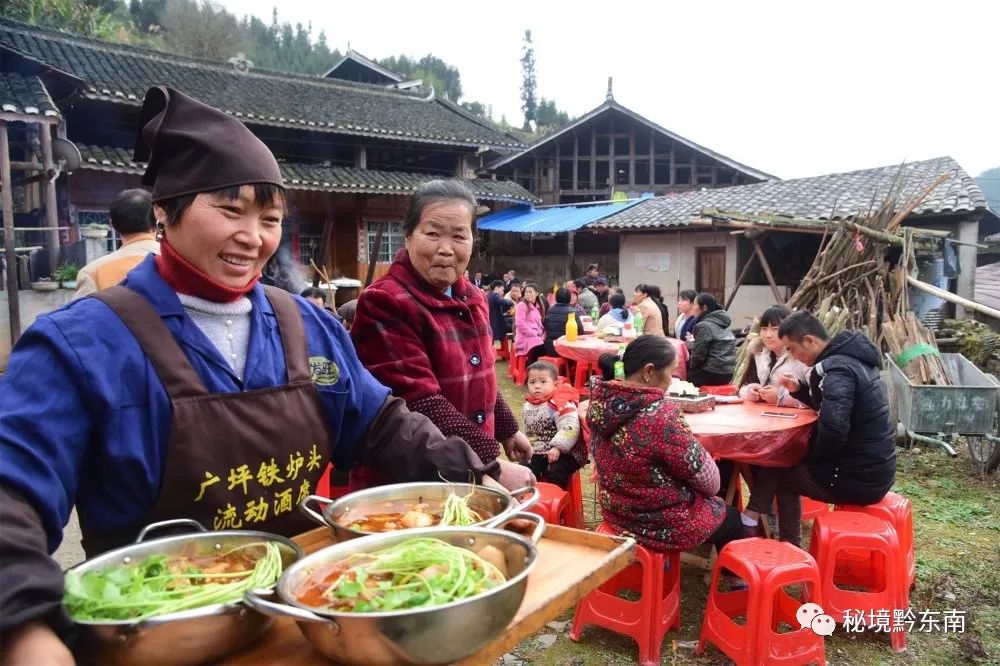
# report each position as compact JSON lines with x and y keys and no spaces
{"x":177,"y":522}
{"x":536,"y":534}
{"x":254,"y":600}
{"x":534,"y":495}
{"x":311,"y":513}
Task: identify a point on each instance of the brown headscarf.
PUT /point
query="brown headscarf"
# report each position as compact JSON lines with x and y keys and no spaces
{"x":192,"y":147}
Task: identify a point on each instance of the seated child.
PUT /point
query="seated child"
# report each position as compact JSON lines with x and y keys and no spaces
{"x":552,"y":424}
{"x":657,"y":484}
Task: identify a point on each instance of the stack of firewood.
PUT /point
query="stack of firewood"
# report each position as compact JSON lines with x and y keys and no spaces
{"x":904,"y":335}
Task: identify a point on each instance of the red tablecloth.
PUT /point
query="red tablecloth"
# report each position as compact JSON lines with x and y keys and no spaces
{"x":589,"y":348}
{"x":742,"y":433}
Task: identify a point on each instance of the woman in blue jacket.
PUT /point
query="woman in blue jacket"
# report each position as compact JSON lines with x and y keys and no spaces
{"x":189,"y":391}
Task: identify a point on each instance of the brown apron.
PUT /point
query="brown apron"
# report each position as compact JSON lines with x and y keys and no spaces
{"x":239,"y":460}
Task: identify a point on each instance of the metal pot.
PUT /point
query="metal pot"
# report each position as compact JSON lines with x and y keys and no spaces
{"x":497,"y":502}
{"x":438,"y":635}
{"x":191,"y":637}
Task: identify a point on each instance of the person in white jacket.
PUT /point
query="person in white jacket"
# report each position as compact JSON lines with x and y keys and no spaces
{"x":773,"y":376}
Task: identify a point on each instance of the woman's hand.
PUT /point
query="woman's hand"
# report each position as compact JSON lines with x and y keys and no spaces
{"x":35,"y":644}
{"x":552,"y":455}
{"x":770,"y":394}
{"x":789,"y":383}
{"x":518,"y":447}
{"x":514,"y":476}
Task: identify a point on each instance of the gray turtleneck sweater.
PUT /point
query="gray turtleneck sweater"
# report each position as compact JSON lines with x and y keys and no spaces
{"x":227,"y":325}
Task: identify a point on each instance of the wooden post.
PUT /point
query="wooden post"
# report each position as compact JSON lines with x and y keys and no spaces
{"x":593,"y":160}
{"x":739,"y":281}
{"x":372,"y":260}
{"x":13,"y":302}
{"x":767,"y":271}
{"x":51,"y":207}
{"x":576,"y":161}
{"x":631,"y":156}
{"x":652,"y":160}
{"x":673,"y":164}
{"x":570,"y":251}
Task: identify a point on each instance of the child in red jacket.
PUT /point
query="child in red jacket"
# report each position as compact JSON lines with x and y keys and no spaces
{"x":552,"y":423}
{"x":656,"y":482}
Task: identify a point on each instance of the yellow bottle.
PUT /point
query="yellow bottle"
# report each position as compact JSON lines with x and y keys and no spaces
{"x":571,"y":330}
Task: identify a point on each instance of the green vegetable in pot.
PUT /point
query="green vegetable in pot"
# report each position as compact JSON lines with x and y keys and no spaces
{"x":159,"y":585}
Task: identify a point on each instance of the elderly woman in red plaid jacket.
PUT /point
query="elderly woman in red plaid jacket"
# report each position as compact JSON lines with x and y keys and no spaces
{"x":423,"y":330}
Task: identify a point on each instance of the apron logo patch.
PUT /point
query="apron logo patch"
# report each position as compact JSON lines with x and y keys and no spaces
{"x":324,"y":371}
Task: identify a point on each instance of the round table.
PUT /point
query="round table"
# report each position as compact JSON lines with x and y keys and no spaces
{"x":742,"y":433}
{"x":590,"y":348}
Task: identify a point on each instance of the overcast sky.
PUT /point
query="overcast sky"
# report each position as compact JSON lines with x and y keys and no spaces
{"x":792,"y":87}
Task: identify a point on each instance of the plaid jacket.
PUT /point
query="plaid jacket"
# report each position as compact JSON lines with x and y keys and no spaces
{"x":435,"y":352}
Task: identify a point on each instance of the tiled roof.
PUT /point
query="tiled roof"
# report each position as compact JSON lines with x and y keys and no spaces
{"x":834,"y":196}
{"x":299,"y":176}
{"x":25,"y":95}
{"x":121,"y":73}
{"x":988,"y":285}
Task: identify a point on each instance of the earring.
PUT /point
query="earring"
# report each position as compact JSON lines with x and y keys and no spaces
{"x":159,"y":231}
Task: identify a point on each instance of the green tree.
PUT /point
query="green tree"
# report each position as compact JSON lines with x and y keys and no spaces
{"x":201,"y":31}
{"x":989,"y":183}
{"x":550,"y":117}
{"x":75,"y":16}
{"x":445,"y":78}
{"x":529,"y":102}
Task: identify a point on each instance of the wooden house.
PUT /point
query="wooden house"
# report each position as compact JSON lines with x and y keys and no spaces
{"x":352,"y":145}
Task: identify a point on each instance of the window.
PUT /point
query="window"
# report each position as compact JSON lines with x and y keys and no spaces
{"x":603,"y":145}
{"x":583,"y":175}
{"x":661,"y":172}
{"x":642,"y":172}
{"x":601,"y":175}
{"x":308,"y":248}
{"x":621,"y":145}
{"x":566,"y":175}
{"x":392,"y":240}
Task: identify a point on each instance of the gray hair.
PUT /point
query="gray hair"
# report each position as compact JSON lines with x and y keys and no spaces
{"x":437,"y":191}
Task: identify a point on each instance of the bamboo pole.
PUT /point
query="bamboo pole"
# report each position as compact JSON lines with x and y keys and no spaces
{"x":51,"y":207}
{"x":767,"y":272}
{"x":952,"y":298}
{"x":739,"y":280}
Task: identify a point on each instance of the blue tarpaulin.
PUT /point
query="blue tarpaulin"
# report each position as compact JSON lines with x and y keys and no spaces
{"x":551,"y":219}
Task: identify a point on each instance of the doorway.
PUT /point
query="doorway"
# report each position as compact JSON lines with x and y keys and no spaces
{"x":710,"y":271}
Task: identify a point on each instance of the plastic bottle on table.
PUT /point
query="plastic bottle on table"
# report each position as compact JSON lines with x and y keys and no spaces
{"x":595,"y":314}
{"x":571,"y":329}
{"x":639,"y":322}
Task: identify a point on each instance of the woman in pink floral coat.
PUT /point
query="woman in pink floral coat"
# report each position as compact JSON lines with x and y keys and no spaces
{"x":656,"y":482}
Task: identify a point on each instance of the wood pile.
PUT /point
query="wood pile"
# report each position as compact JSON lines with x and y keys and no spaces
{"x":904,"y":335}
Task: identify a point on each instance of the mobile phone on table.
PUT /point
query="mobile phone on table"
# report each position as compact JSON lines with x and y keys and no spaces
{"x":780,"y":415}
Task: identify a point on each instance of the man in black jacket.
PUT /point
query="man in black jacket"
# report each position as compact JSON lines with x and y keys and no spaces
{"x":852,"y":455}
{"x":499,"y":306}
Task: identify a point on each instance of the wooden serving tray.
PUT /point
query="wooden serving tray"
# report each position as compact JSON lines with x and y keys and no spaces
{"x":570,"y":564}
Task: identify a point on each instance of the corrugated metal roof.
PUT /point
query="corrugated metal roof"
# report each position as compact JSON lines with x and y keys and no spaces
{"x":552,"y":219}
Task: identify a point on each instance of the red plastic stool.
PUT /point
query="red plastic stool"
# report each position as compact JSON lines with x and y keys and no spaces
{"x":583,"y":372}
{"x":656,"y":576}
{"x":554,"y":505}
{"x":562,"y":365}
{"x":812,"y":509}
{"x":519,"y":370}
{"x":766,"y":566}
{"x":576,"y":502}
{"x":886,"y":587}
{"x":898,"y":511}
{"x":504,"y":351}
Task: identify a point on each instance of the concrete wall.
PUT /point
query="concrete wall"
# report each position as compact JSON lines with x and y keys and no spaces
{"x":679,"y":248}
{"x":33,"y":304}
